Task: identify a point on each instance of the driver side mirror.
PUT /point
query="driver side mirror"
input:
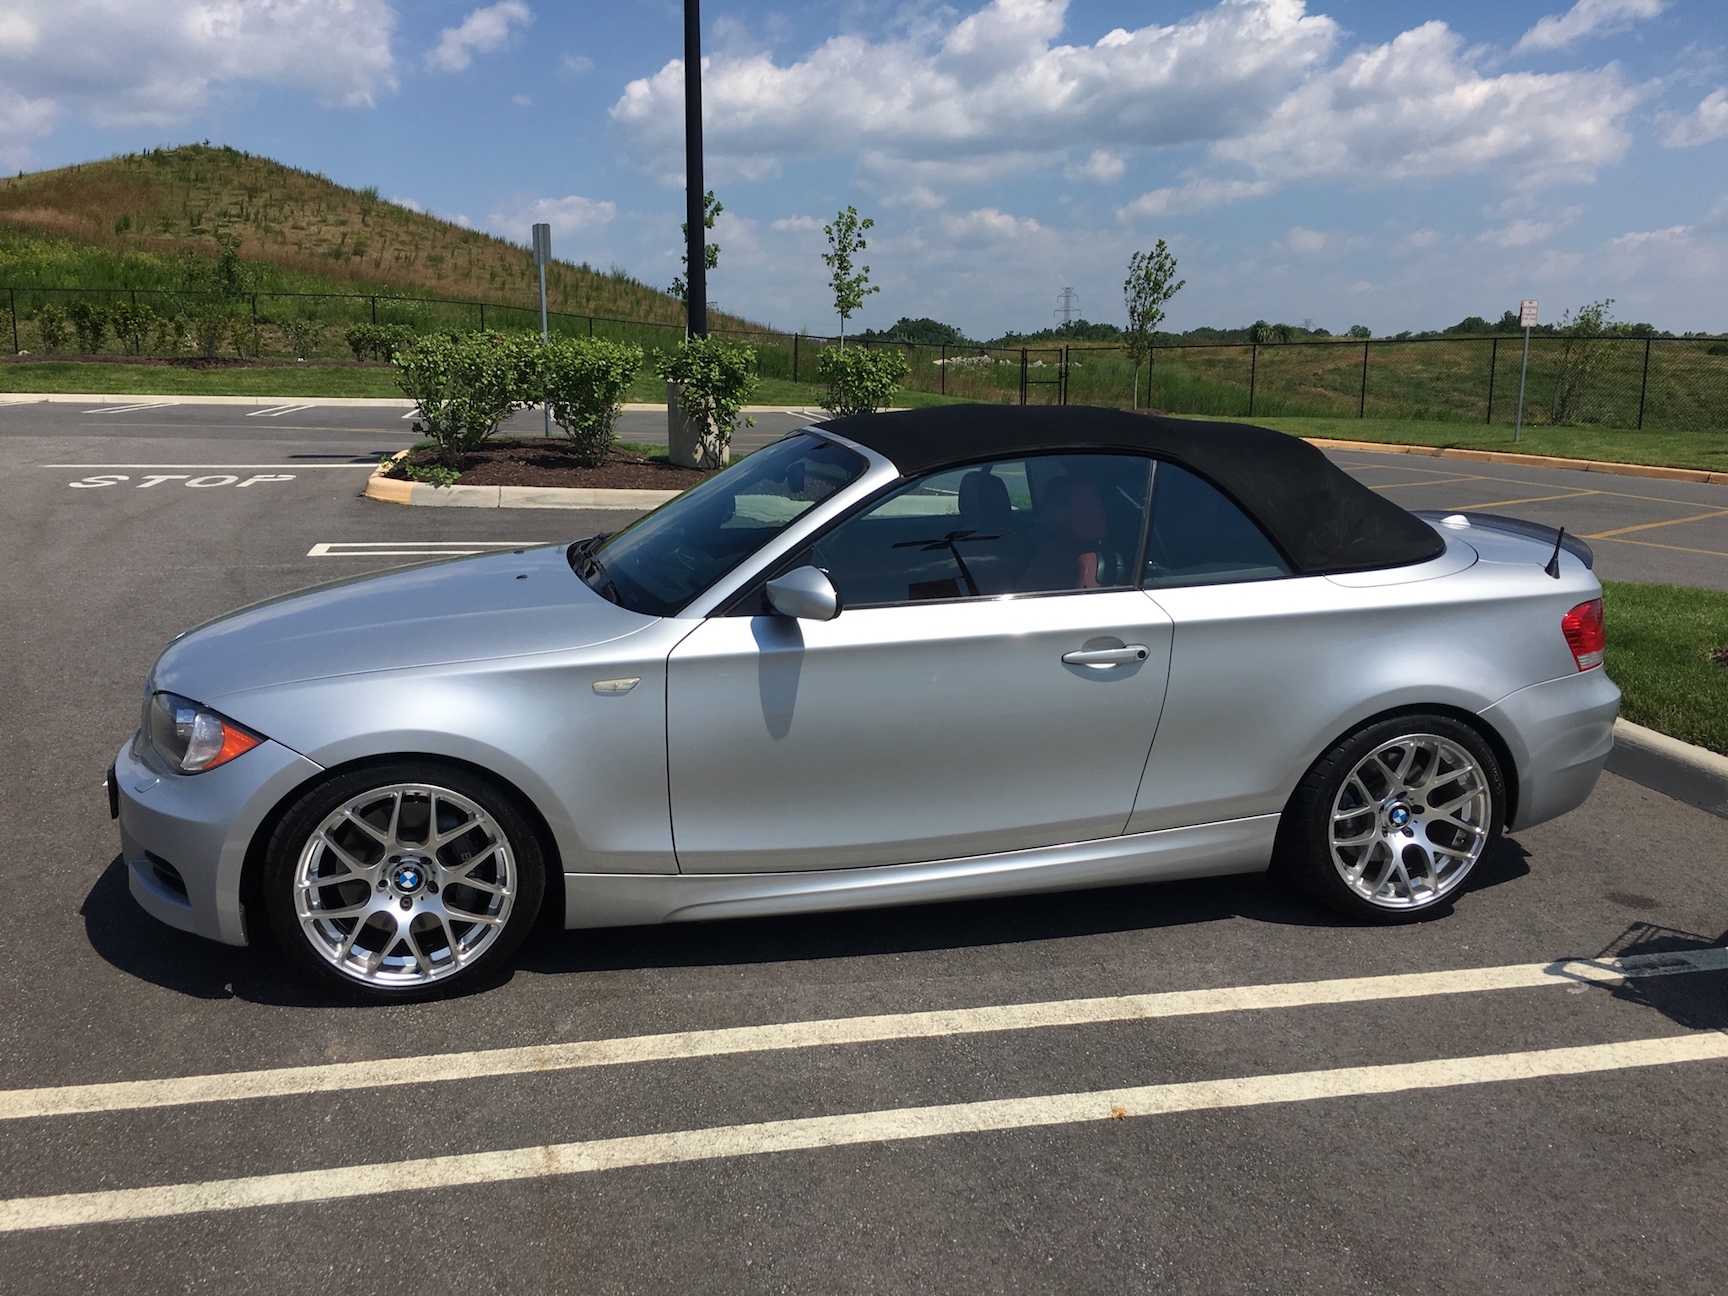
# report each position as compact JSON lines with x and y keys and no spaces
{"x":804,"y":592}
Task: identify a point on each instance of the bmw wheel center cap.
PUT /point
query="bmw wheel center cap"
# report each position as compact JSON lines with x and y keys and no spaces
{"x":408,"y":877}
{"x":1398,"y":816}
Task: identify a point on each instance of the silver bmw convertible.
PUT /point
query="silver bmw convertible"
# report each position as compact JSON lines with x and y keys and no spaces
{"x":890,"y":659}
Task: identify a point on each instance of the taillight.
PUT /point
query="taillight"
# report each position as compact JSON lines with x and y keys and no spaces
{"x":1582,"y":627}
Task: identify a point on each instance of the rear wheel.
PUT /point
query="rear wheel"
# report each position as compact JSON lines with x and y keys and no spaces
{"x":1388,"y":824}
{"x":403,"y":882}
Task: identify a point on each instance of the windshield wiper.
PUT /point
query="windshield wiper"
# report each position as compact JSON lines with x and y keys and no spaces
{"x":582,"y":548}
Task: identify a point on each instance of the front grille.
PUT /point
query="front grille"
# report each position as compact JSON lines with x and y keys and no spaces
{"x":167,"y":874}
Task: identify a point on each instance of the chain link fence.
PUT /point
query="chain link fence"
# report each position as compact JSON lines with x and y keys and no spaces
{"x":1678,"y":384}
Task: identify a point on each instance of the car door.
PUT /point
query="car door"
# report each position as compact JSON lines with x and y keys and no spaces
{"x":993,"y":681}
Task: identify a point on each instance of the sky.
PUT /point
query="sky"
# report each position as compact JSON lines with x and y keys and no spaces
{"x":1394,"y":163}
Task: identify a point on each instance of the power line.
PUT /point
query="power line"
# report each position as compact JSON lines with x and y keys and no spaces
{"x":1070,"y":306}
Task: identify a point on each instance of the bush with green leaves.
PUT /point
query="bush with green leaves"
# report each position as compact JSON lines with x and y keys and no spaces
{"x":132,"y":324}
{"x":584,"y":381}
{"x":379,"y":341}
{"x":860,"y":379}
{"x":53,"y":327}
{"x":463,"y":386}
{"x":247,"y":337}
{"x":171,"y":334}
{"x":303,"y":337}
{"x":715,"y":379}
{"x":209,"y":327}
{"x":91,"y":324}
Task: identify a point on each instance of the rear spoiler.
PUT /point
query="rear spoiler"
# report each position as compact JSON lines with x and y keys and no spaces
{"x":1518,"y":526}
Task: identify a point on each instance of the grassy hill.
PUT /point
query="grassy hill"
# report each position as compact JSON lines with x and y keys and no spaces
{"x":128,"y":222}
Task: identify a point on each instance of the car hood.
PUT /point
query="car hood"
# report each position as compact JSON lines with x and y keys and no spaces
{"x":469,"y":609}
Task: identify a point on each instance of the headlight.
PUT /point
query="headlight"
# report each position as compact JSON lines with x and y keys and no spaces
{"x":193,"y":738}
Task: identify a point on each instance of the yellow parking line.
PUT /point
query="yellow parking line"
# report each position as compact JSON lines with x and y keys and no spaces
{"x":1442,"y":481}
{"x":1646,"y":526}
{"x":1652,"y":544}
{"x":1534,"y":499}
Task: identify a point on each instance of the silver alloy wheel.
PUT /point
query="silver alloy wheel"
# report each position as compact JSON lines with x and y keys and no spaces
{"x":1410,"y":821}
{"x":404,"y":885}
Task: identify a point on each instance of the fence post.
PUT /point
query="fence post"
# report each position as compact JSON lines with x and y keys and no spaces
{"x":254,"y":308}
{"x":1063,"y":389}
{"x":1493,"y":368}
{"x":1253,"y":370}
{"x":795,"y":357}
{"x":1362,"y":400}
{"x":12,"y":296}
{"x":1022,"y":375}
{"x":374,"y":308}
{"x":1644,"y":384}
{"x":590,"y":326}
{"x":943,"y":364}
{"x":482,"y":317}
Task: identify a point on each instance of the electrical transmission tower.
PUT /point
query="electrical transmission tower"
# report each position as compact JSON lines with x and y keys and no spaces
{"x":1070,"y":306}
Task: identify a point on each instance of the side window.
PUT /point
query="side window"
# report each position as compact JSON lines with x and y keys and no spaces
{"x":1198,"y":537}
{"x":1037,"y":525}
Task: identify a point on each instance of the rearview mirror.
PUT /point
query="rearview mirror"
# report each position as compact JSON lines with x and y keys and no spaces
{"x":804,"y":592}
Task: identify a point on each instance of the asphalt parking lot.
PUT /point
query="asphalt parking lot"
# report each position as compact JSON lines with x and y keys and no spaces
{"x":1546,"y":1126}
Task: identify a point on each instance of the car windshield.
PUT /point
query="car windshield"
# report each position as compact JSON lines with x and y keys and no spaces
{"x":661,"y":561}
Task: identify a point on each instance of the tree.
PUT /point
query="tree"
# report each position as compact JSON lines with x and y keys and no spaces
{"x":1361,"y":331}
{"x":846,"y":238}
{"x":1151,"y":282}
{"x":711,"y":208}
{"x":1582,"y":355}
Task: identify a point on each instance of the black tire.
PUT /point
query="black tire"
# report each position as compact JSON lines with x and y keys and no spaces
{"x":440,"y":918}
{"x":1416,"y":857}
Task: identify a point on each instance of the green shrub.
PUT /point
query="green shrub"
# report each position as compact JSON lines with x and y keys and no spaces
{"x":91,"y":323}
{"x":584,"y":381}
{"x":171,"y":334}
{"x":132,"y":324}
{"x":53,"y":327}
{"x":714,"y":380}
{"x":247,"y":337}
{"x":464,"y":386}
{"x":379,"y":341}
{"x":209,"y":326}
{"x":303,"y":337}
{"x":860,"y":380}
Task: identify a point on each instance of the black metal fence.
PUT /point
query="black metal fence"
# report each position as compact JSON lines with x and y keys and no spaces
{"x":1613,"y":382}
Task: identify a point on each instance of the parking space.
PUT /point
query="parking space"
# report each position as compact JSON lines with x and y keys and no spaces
{"x":1642,"y":528}
{"x":1200,"y":1086}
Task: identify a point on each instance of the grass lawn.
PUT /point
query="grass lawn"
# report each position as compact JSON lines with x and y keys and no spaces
{"x":1708,"y":450}
{"x":1661,"y":639}
{"x":172,"y":380}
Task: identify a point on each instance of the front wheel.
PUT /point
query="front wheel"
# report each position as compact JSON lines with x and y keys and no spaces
{"x":403,"y":882}
{"x":1389,"y":823}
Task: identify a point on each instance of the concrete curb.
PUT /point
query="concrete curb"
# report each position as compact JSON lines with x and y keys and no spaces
{"x":1697,"y":776}
{"x":390,"y":490}
{"x":64,"y":398}
{"x":1529,"y":461}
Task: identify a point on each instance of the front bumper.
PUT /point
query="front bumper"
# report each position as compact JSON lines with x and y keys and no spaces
{"x":199,"y":826}
{"x":1560,"y":733}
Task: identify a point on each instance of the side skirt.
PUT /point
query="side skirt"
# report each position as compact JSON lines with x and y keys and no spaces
{"x":1203,"y":850}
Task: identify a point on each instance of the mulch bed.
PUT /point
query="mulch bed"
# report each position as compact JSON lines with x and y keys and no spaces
{"x":535,"y":461}
{"x":186,"y":362}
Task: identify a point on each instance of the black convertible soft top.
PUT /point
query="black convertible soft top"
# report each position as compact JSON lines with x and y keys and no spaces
{"x":1322,"y":518}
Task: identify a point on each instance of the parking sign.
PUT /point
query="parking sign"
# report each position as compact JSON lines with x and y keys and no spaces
{"x":1527,"y":313}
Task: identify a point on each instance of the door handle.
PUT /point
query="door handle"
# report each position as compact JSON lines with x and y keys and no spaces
{"x":1106,"y":657}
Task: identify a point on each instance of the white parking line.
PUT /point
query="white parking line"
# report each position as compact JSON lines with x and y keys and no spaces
{"x":277,"y":411}
{"x":369,"y":465}
{"x":411,"y":548}
{"x":130,"y":409}
{"x":133,"y":1095}
{"x":808,"y":1133}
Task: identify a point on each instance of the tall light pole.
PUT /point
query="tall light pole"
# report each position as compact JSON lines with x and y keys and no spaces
{"x":542,"y":257}
{"x":696,"y":255}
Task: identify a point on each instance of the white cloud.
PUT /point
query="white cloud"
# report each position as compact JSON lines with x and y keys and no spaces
{"x":22,"y":120}
{"x":1196,"y":195}
{"x":1586,"y":18}
{"x":522,"y":100}
{"x":1520,"y":233}
{"x":1708,"y":121}
{"x":1421,"y":238}
{"x":120,"y":62}
{"x":570,"y":215}
{"x":484,"y":31}
{"x":1103,"y":166}
{"x":412,"y":204}
{"x":989,"y":225}
{"x":1306,"y":240}
{"x":986,"y":88}
{"x":1416,"y":110}
{"x":575,"y":64}
{"x":797,"y":225}
{"x":1638,"y":238}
